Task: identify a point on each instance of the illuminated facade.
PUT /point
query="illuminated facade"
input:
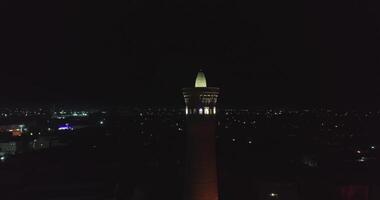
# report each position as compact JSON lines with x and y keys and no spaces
{"x":200,"y":100}
{"x":201,"y":182}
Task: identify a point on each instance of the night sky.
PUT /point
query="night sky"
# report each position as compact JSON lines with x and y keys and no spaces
{"x":261,"y":53}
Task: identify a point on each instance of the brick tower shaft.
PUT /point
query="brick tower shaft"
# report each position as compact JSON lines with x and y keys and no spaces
{"x":201,"y":181}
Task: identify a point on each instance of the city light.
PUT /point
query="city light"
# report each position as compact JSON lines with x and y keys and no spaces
{"x":273,"y":194}
{"x":362,"y":159}
{"x":65,"y":127}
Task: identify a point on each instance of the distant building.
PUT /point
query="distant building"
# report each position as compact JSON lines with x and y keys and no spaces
{"x":46,"y":142}
{"x":40,"y":143}
{"x":8,"y":148}
{"x":13,"y":129}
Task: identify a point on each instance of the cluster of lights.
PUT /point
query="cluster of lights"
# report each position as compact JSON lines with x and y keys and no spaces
{"x":362,"y":159}
{"x":202,"y":111}
{"x":63,"y":114}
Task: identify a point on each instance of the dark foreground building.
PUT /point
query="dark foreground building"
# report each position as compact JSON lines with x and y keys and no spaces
{"x":201,"y":182}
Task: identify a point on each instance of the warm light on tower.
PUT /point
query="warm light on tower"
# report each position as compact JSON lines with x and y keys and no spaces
{"x":200,"y":100}
{"x":201,"y":181}
{"x":206,"y":111}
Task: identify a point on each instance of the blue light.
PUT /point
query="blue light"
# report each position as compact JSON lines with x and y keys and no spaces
{"x":65,"y":127}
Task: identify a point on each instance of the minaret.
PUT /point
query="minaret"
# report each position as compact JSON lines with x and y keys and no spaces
{"x":201,"y":181}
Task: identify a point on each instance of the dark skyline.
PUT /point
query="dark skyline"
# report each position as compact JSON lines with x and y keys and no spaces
{"x":143,"y":52}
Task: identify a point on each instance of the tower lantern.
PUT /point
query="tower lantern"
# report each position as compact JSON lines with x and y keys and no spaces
{"x":200,"y":100}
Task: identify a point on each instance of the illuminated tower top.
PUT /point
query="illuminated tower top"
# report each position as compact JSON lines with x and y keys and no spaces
{"x":200,"y":81}
{"x":200,"y":100}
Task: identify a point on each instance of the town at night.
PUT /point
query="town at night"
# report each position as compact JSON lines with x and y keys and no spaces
{"x":190,"y":100}
{"x":124,"y":152}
